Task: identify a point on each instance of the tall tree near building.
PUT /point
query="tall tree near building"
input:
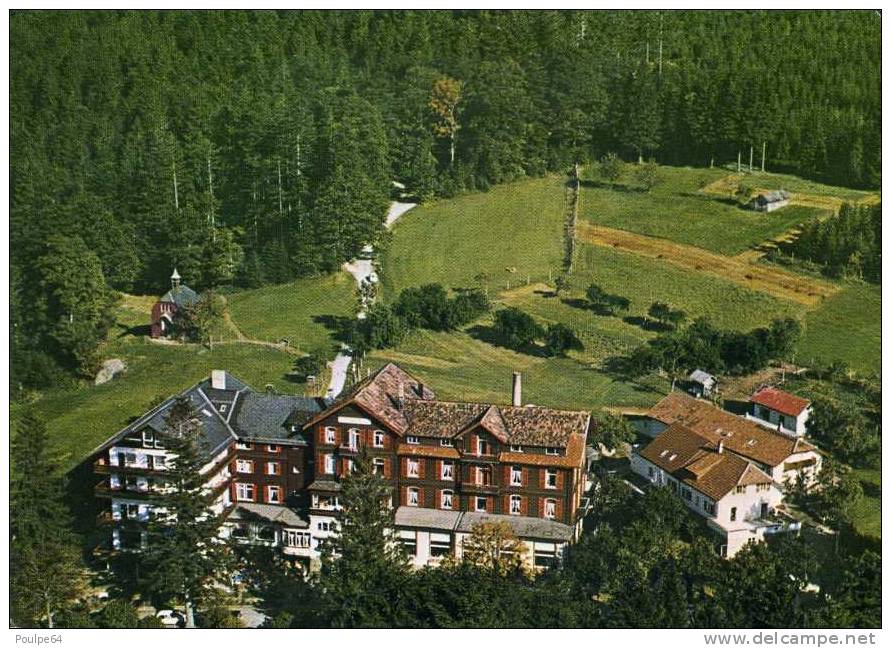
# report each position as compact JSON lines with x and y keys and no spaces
{"x":46,"y":571}
{"x":364,"y":570}
{"x":494,"y":547}
{"x":185,"y":559}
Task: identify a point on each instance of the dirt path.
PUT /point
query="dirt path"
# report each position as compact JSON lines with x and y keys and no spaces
{"x":773,"y":281}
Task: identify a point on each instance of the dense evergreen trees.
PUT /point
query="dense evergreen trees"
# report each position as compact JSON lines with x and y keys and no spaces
{"x":254,"y":147}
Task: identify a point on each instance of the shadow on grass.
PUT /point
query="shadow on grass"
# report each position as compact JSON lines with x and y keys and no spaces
{"x":547,"y":294}
{"x":340,"y":326}
{"x":136,"y":331}
{"x":612,"y":186}
{"x":647,"y":324}
{"x":584,"y":304}
{"x":489,"y":335}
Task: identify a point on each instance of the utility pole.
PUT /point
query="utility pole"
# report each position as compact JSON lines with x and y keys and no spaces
{"x":763,"y":154}
{"x":739,"y":161}
{"x":751,"y":152}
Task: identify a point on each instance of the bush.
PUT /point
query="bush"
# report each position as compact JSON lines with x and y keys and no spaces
{"x":610,"y":168}
{"x":517,"y":329}
{"x":381,"y":328}
{"x":309,"y":365}
{"x":647,"y":175}
{"x":468,"y":306}
{"x":424,"y":307}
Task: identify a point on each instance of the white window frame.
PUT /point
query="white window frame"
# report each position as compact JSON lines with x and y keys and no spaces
{"x":552,"y":451}
{"x":412,"y":496}
{"x":244,"y":445}
{"x":550,"y":472}
{"x":516,"y":448}
{"x":550,"y":508}
{"x":378,"y":441}
{"x":377,"y":465}
{"x":273,"y":489}
{"x":412,"y":440}
{"x":412,"y":467}
{"x":447,"y":474}
{"x":446,"y":499}
{"x":353,"y":438}
{"x":516,"y":475}
{"x":350,"y":465}
{"x":479,"y":446}
{"x":479,"y":476}
{"x":330,"y":464}
{"x":476,"y":503}
{"x":148,"y":438}
{"x":273,"y":447}
{"x":244,"y":466}
{"x":446,"y":443}
{"x":516,"y":502}
{"x":330,"y":435}
{"x":241,"y":490}
{"x":273,"y":468}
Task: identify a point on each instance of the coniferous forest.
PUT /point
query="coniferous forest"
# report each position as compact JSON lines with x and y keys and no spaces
{"x":248,"y":148}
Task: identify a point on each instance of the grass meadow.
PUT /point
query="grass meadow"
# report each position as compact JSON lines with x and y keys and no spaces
{"x":677,"y":211}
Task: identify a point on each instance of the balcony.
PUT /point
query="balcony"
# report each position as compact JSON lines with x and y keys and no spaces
{"x":105,"y":489}
{"x":102,"y":466}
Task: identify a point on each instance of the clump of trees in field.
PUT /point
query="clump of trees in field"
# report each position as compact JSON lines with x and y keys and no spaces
{"x":428,"y":307}
{"x":849,"y":244}
{"x":519,"y":331}
{"x":605,"y":302}
{"x":702,"y":346}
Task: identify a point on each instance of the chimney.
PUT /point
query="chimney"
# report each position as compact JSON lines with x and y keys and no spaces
{"x":721,"y":446}
{"x":421,"y":390}
{"x":400,"y":397}
{"x":517,"y":400}
{"x":218,"y":379}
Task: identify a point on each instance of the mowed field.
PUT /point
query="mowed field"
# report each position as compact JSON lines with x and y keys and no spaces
{"x":677,"y":210}
{"x":511,"y":233}
{"x":846,"y":327}
{"x":81,"y":417}
{"x":299,"y":311}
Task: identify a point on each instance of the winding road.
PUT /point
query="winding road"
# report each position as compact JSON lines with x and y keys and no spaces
{"x":362,"y":271}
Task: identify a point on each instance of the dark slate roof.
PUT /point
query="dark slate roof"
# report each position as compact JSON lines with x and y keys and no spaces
{"x":213,"y":413}
{"x":269,"y":416}
{"x":325,"y":485}
{"x":181,"y":296}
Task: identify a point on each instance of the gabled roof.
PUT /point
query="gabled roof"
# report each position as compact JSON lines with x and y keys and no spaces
{"x":697,"y":462}
{"x":739,"y":435}
{"x":268,"y":416}
{"x":773,"y":196}
{"x":214,"y":410}
{"x":182,"y":296}
{"x":419,"y":414}
{"x":379,"y":395}
{"x":702,"y":377}
{"x":780,"y":401}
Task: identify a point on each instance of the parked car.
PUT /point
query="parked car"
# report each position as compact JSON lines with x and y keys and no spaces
{"x":171,"y":618}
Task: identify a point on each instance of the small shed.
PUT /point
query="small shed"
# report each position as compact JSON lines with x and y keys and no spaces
{"x":770,"y":200}
{"x":701,"y":383}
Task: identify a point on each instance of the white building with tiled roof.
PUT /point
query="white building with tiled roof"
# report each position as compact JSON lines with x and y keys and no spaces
{"x":738,"y":500}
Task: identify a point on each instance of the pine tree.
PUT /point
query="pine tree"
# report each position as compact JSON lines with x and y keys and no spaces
{"x":363,"y":566}
{"x":185,"y":559}
{"x":46,"y":571}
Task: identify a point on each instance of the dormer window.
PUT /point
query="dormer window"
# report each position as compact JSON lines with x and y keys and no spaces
{"x":672,"y":457}
{"x":223,"y":408}
{"x":446,"y":443}
{"x":273,"y":448}
{"x":482,"y":446}
{"x":516,"y":448}
{"x":413,"y":440}
{"x":243,"y":445}
{"x":552,"y":451}
{"x":663,"y":453}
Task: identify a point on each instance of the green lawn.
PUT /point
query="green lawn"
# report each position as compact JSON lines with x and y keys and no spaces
{"x":295,"y":311}
{"x":459,"y":366}
{"x":847,"y":327}
{"x":867,"y":514}
{"x":511,"y":233}
{"x":644,"y":280}
{"x":81,"y":418}
{"x":674,"y":210}
{"x":801,"y":185}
